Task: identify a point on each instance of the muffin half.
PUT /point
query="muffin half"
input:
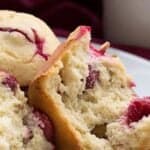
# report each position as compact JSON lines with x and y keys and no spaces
{"x":82,"y":89}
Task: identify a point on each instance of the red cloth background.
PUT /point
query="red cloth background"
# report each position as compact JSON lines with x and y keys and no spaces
{"x":63,"y":16}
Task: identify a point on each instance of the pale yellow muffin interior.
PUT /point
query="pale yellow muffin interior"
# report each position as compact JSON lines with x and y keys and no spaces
{"x":132,"y":130}
{"x":89,"y":108}
{"x":134,"y":138}
{"x":14,"y":134}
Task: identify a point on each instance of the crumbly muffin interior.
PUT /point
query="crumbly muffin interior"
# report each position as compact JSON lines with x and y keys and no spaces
{"x":91,"y":90}
{"x":18,"y":127}
{"x":132,"y":130}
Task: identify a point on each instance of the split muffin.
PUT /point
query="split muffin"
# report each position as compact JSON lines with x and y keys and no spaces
{"x":82,"y":89}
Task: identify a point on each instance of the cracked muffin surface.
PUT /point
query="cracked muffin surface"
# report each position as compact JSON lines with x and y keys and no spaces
{"x":26,"y":42}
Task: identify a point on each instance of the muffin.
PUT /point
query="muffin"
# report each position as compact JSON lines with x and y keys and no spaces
{"x":82,"y":89}
{"x":26,"y":42}
{"x":21,"y":127}
{"x":132,"y":130}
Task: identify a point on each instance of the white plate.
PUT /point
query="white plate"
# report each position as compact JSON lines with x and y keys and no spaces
{"x":137,"y":67}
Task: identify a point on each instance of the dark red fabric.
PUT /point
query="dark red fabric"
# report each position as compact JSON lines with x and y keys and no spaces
{"x":143,"y":52}
{"x":63,"y":16}
{"x":139,"y":51}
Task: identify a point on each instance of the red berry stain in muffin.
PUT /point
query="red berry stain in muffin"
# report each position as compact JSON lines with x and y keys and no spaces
{"x":44,"y":123}
{"x":91,"y":78}
{"x":10,"y":30}
{"x":11,"y":82}
{"x":138,"y":108}
{"x":132,"y":84}
{"x":95,"y":52}
{"x":82,"y":31}
{"x":38,"y":41}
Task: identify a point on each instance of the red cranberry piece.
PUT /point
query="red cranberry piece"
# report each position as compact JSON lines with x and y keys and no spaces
{"x":44,"y":123}
{"x":132,"y":84}
{"x":138,"y":108}
{"x":11,"y":82}
{"x":97,"y":53}
{"x":91,"y":78}
{"x":82,"y":31}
